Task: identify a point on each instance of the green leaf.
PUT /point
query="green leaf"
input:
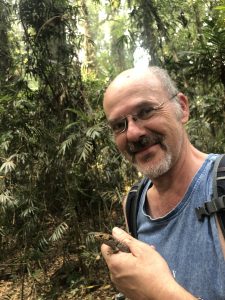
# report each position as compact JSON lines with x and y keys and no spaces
{"x":7,"y":201}
{"x":8,"y":166}
{"x":59,"y":232}
{"x":220,"y":7}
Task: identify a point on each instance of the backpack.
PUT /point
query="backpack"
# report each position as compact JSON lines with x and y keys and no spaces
{"x":216,"y":205}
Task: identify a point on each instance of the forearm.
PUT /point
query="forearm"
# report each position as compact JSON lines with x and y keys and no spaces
{"x":150,"y":286}
{"x":173,"y":291}
{"x":142,"y":274}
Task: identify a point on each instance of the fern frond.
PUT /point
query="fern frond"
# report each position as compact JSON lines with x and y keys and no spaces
{"x":59,"y":232}
{"x":30,"y":211}
{"x":94,"y":132}
{"x":8,"y":166}
{"x":43,"y":243}
{"x":66,"y":144}
{"x":7,"y":201}
{"x":2,"y":232}
{"x":5,"y":145}
{"x":86,"y":151}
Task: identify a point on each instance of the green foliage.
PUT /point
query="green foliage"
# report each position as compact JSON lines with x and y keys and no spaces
{"x":60,"y":173}
{"x":59,"y":232}
{"x":5,"y":57}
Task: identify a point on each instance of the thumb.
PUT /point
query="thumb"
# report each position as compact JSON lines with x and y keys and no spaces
{"x":136,"y":247}
{"x":124,"y":238}
{"x":121,"y":235}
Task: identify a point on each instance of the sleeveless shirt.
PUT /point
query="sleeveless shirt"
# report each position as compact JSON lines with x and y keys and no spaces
{"x":191,"y":247}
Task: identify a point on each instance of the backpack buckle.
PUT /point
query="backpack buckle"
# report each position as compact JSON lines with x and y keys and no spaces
{"x":210,"y":207}
{"x":201,"y":212}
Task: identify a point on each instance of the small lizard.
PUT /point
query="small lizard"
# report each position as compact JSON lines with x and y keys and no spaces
{"x":109,"y":240}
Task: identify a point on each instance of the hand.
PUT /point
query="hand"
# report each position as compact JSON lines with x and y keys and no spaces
{"x":142,"y":274}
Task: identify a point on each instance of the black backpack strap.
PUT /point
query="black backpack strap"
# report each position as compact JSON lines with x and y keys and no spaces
{"x":221,"y":192}
{"x":132,"y":204}
{"x":217,"y":204}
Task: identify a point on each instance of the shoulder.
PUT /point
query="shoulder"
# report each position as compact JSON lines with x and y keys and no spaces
{"x":131,"y":200}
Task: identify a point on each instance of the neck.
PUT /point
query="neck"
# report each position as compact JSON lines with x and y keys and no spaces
{"x":169,"y":189}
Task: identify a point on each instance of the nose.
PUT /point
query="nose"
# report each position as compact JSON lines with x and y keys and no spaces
{"x":134,"y":129}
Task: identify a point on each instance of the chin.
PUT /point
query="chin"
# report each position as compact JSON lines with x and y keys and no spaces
{"x":155,"y":170}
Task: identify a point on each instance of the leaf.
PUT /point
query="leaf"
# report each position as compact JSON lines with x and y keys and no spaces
{"x":66,"y":144}
{"x":220,"y":7}
{"x":86,"y":151}
{"x":93,"y":132}
{"x":7,"y":201}
{"x":43,"y":243}
{"x":30,"y":211}
{"x":8,"y":166}
{"x":59,"y":232}
{"x":2,"y":232}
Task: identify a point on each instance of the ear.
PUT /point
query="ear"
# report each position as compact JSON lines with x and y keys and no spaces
{"x":184,"y":105}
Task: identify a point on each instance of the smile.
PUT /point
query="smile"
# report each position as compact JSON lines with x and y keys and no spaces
{"x":144,"y":143}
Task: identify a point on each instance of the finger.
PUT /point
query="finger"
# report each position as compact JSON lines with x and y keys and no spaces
{"x":125,"y":238}
{"x":136,"y":247}
{"x":121,"y":235}
{"x":106,"y":252}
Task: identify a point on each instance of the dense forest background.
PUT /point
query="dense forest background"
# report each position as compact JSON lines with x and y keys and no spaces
{"x":61,"y":176}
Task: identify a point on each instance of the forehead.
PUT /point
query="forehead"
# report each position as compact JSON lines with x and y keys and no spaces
{"x":129,"y":89}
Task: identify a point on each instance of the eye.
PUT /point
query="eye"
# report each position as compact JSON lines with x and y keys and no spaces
{"x":145,"y":112}
{"x":118,"y":126}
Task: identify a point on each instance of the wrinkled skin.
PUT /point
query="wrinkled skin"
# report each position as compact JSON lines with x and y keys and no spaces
{"x":149,"y":280}
{"x":164,"y":131}
{"x":159,"y":147}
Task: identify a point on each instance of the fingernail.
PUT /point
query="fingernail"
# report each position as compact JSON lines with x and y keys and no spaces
{"x":117,"y":230}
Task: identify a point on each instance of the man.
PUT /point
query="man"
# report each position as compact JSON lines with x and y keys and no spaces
{"x":177,"y":257}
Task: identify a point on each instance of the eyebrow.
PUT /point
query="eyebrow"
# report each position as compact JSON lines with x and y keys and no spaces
{"x":114,"y":121}
{"x":137,"y":106}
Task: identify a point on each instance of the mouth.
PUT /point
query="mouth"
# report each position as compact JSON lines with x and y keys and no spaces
{"x":144,"y":143}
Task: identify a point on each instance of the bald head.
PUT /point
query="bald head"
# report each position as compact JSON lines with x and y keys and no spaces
{"x":151,"y":78}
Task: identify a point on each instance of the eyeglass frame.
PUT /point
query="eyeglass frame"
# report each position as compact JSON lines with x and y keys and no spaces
{"x":136,"y":118}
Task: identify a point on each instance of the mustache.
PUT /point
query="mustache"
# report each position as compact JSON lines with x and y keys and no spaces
{"x":143,"y":142}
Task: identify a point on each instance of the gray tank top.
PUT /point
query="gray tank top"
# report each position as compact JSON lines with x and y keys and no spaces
{"x":191,"y":248}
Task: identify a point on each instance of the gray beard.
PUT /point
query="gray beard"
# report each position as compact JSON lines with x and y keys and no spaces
{"x":158,"y":170}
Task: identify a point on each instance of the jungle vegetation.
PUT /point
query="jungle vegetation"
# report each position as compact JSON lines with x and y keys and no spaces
{"x":61,"y":175}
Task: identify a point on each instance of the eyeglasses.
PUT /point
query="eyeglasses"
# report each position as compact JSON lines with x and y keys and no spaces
{"x":145,"y":112}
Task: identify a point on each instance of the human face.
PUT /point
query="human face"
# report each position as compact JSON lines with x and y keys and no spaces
{"x":153,"y":143}
{"x":146,"y":111}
